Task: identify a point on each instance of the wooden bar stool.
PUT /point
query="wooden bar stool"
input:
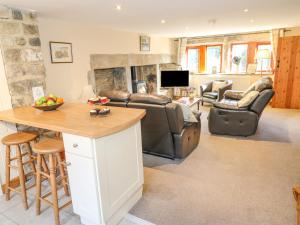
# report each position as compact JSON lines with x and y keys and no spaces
{"x":18,"y":139}
{"x":51,"y":148}
{"x":296,"y":192}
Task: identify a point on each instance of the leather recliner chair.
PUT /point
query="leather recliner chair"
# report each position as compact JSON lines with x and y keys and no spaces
{"x":225,"y":120}
{"x":164,"y":132}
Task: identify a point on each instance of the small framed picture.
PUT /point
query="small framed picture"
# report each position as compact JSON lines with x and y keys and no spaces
{"x":144,"y":43}
{"x":61,"y":52}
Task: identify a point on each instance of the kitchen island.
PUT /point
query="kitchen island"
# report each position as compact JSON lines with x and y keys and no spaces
{"x":104,"y":155}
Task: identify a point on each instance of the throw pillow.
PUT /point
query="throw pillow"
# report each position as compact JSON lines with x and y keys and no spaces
{"x":188,"y":115}
{"x":248,"y":99}
{"x":217,"y":84}
{"x":251,"y":88}
{"x":263,"y":84}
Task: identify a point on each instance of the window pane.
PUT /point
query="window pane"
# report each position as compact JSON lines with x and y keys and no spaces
{"x":193,"y":59}
{"x":213,"y":58}
{"x":239,"y":58}
{"x":264,"y":61}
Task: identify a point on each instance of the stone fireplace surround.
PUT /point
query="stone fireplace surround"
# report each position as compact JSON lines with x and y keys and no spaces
{"x":106,"y":64}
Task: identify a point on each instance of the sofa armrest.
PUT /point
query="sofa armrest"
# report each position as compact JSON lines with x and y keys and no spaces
{"x":234,"y":95}
{"x":222,"y":105}
{"x":223,"y":90}
{"x":197,"y":114}
{"x":187,"y":140}
{"x":205,"y":87}
{"x":232,"y":122}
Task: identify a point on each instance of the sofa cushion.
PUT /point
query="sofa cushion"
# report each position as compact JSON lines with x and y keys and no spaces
{"x":212,"y":95}
{"x":150,"y":99}
{"x":217,"y":84}
{"x":116,"y":95}
{"x":249,"y":89}
{"x":248,"y":99}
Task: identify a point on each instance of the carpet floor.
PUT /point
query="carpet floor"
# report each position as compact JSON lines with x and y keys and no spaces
{"x":228,"y":180}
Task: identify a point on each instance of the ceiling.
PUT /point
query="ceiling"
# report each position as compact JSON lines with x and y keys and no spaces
{"x":182,"y":17}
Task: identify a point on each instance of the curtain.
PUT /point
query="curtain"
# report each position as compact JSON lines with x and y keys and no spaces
{"x":181,"y":53}
{"x":275,"y":34}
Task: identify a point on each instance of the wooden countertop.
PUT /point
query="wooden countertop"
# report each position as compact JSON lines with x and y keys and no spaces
{"x":74,"y":118}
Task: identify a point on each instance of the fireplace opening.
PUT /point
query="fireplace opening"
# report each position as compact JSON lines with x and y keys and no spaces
{"x":144,"y":79}
{"x":110,"y":79}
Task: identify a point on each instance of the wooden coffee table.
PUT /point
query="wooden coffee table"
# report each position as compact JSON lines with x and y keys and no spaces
{"x":190,"y":102}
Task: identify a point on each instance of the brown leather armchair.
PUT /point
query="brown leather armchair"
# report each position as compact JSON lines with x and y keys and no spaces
{"x":164,"y":131}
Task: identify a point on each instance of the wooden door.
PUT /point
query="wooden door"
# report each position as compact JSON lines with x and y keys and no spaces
{"x":287,"y":74}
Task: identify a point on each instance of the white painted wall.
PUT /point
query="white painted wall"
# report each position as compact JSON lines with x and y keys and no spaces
{"x":68,"y":79}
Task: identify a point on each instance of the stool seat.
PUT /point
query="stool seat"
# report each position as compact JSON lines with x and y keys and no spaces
{"x":48,"y":146}
{"x":19,"y":138}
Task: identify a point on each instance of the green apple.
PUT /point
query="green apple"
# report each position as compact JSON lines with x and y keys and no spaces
{"x":42,"y":99}
{"x":50,"y":102}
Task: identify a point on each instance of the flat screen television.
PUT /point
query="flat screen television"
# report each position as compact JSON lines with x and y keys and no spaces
{"x":175,"y":78}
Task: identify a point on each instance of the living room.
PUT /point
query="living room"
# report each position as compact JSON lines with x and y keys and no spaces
{"x":120,"y":112}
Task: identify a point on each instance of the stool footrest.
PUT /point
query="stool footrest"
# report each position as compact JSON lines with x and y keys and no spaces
{"x":66,"y":204}
{"x":44,"y":174}
{"x":15,"y":158}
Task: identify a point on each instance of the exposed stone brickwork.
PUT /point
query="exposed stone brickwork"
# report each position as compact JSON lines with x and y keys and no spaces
{"x":110,"y":79}
{"x":22,"y":55}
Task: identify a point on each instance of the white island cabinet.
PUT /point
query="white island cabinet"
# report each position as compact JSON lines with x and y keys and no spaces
{"x":103,"y":154}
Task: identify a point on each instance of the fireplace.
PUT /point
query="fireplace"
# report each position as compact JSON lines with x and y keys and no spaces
{"x":128,"y":71}
{"x":110,"y":79}
{"x":144,"y":79}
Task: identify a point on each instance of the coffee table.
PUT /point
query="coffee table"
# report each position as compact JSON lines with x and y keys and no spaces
{"x":190,"y":102}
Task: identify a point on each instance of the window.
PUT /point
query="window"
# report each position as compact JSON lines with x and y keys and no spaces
{"x":263,"y":57}
{"x":239,"y":55}
{"x":213,"y":58}
{"x":193,"y":59}
{"x":204,"y":59}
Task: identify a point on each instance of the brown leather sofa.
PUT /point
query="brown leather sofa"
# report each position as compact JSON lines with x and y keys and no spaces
{"x":208,"y":95}
{"x":225,"y":118}
{"x":164,"y":132}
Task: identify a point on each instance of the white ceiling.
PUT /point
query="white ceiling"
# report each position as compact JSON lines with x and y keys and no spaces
{"x":183,"y":17}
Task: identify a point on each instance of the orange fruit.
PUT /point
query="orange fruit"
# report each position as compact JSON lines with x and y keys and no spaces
{"x":59,"y":100}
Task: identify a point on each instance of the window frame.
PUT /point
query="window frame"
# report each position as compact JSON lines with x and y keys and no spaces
{"x":251,"y":53}
{"x":203,"y":57}
{"x":239,"y":43}
{"x":271,"y":63}
{"x":221,"y":55}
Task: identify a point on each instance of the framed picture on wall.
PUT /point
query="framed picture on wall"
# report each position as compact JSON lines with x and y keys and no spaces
{"x":144,"y":43}
{"x":61,"y":52}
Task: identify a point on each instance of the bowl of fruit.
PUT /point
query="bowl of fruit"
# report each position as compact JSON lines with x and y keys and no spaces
{"x":48,"y":103}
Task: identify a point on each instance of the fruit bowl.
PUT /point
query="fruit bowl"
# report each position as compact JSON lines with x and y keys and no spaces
{"x":48,"y":103}
{"x":48,"y":107}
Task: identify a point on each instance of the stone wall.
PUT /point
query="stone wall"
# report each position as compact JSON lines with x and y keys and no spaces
{"x":110,"y":79}
{"x":22,"y":56}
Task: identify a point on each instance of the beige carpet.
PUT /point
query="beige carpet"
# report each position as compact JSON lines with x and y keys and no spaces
{"x":228,"y":180}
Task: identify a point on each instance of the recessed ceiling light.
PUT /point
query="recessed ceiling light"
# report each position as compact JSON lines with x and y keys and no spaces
{"x":252,"y":21}
{"x":246,"y":10}
{"x":118,"y":7}
{"x":163,"y":21}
